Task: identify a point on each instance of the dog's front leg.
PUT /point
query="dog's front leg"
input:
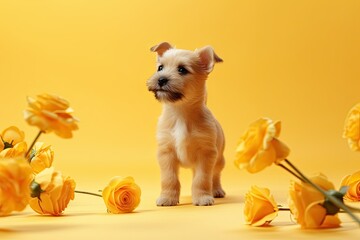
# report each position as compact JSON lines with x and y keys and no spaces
{"x":202,"y":181}
{"x":170,"y":185}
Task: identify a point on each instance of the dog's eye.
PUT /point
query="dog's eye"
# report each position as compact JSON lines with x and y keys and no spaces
{"x":160,"y":68}
{"x":182,"y":70}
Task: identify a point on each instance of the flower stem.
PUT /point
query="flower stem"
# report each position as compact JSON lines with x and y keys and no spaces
{"x":291,"y":172}
{"x":33,"y":143}
{"x":331,"y":198}
{"x":283,"y":209}
{"x":88,"y":193}
{"x":352,"y":209}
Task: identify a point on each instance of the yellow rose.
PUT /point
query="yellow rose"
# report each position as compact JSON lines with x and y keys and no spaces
{"x":51,"y":192}
{"x":259,"y":146}
{"x":352,"y":128}
{"x":51,"y":113}
{"x":19,"y":150}
{"x":12,"y":144}
{"x":11,"y":136}
{"x":260,"y":207}
{"x":41,"y":157}
{"x":15,"y":178}
{"x":353,"y":182}
{"x":306,"y":204}
{"x":122,"y":195}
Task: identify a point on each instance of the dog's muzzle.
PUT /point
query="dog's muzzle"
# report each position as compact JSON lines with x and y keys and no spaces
{"x":162,"y":81}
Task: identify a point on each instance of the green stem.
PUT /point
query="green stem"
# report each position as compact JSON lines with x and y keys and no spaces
{"x":352,"y":209}
{"x":33,"y":143}
{"x":88,"y":193}
{"x":332,"y":199}
{"x":341,"y":211}
{"x":291,"y":172}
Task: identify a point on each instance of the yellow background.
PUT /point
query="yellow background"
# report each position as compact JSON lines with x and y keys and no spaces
{"x":294,"y":61}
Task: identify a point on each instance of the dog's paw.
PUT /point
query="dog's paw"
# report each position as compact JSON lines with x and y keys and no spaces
{"x":205,"y":200}
{"x":218,"y":193}
{"x":167,"y":201}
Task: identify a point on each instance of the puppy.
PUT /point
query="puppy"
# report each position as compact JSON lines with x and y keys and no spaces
{"x":188,"y":135}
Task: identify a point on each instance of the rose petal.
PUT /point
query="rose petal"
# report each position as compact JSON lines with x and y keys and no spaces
{"x":282,"y":151}
{"x":13,"y":135}
{"x":261,"y":160}
{"x":314,"y":215}
{"x":265,"y":220}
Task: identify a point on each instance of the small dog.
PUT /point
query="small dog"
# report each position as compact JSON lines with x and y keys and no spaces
{"x":188,"y":135}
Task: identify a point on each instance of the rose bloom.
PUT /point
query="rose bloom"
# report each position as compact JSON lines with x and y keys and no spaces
{"x":352,"y":128}
{"x":122,"y":195}
{"x":353,"y":182}
{"x":260,"y":207}
{"x":15,"y":178}
{"x":11,"y":136}
{"x":12,"y":143}
{"x":51,"y":113}
{"x":19,"y":150}
{"x":51,"y":192}
{"x":259,"y":146}
{"x":306,"y":204}
{"x":41,"y":157}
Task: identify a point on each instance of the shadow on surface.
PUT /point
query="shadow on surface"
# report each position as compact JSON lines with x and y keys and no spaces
{"x":187,"y":201}
{"x":32,"y":228}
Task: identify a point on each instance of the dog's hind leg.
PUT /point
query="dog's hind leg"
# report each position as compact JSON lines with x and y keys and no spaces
{"x":202,"y":180}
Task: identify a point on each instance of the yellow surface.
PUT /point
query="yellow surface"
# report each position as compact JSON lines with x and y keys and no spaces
{"x":294,"y":61}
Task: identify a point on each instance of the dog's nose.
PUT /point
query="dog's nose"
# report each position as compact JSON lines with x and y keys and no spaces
{"x":162,"y":81}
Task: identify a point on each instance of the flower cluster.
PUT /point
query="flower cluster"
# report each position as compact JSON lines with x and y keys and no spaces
{"x":313,"y":201}
{"x":27,"y":176}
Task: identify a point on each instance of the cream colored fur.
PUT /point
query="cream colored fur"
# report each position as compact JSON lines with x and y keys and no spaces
{"x":188,"y":135}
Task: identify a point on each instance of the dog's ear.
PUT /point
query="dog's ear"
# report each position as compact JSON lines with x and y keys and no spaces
{"x":161,"y":48}
{"x":208,"y":58}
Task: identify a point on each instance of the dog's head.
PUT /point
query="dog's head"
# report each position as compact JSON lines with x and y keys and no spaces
{"x":181,"y":74}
